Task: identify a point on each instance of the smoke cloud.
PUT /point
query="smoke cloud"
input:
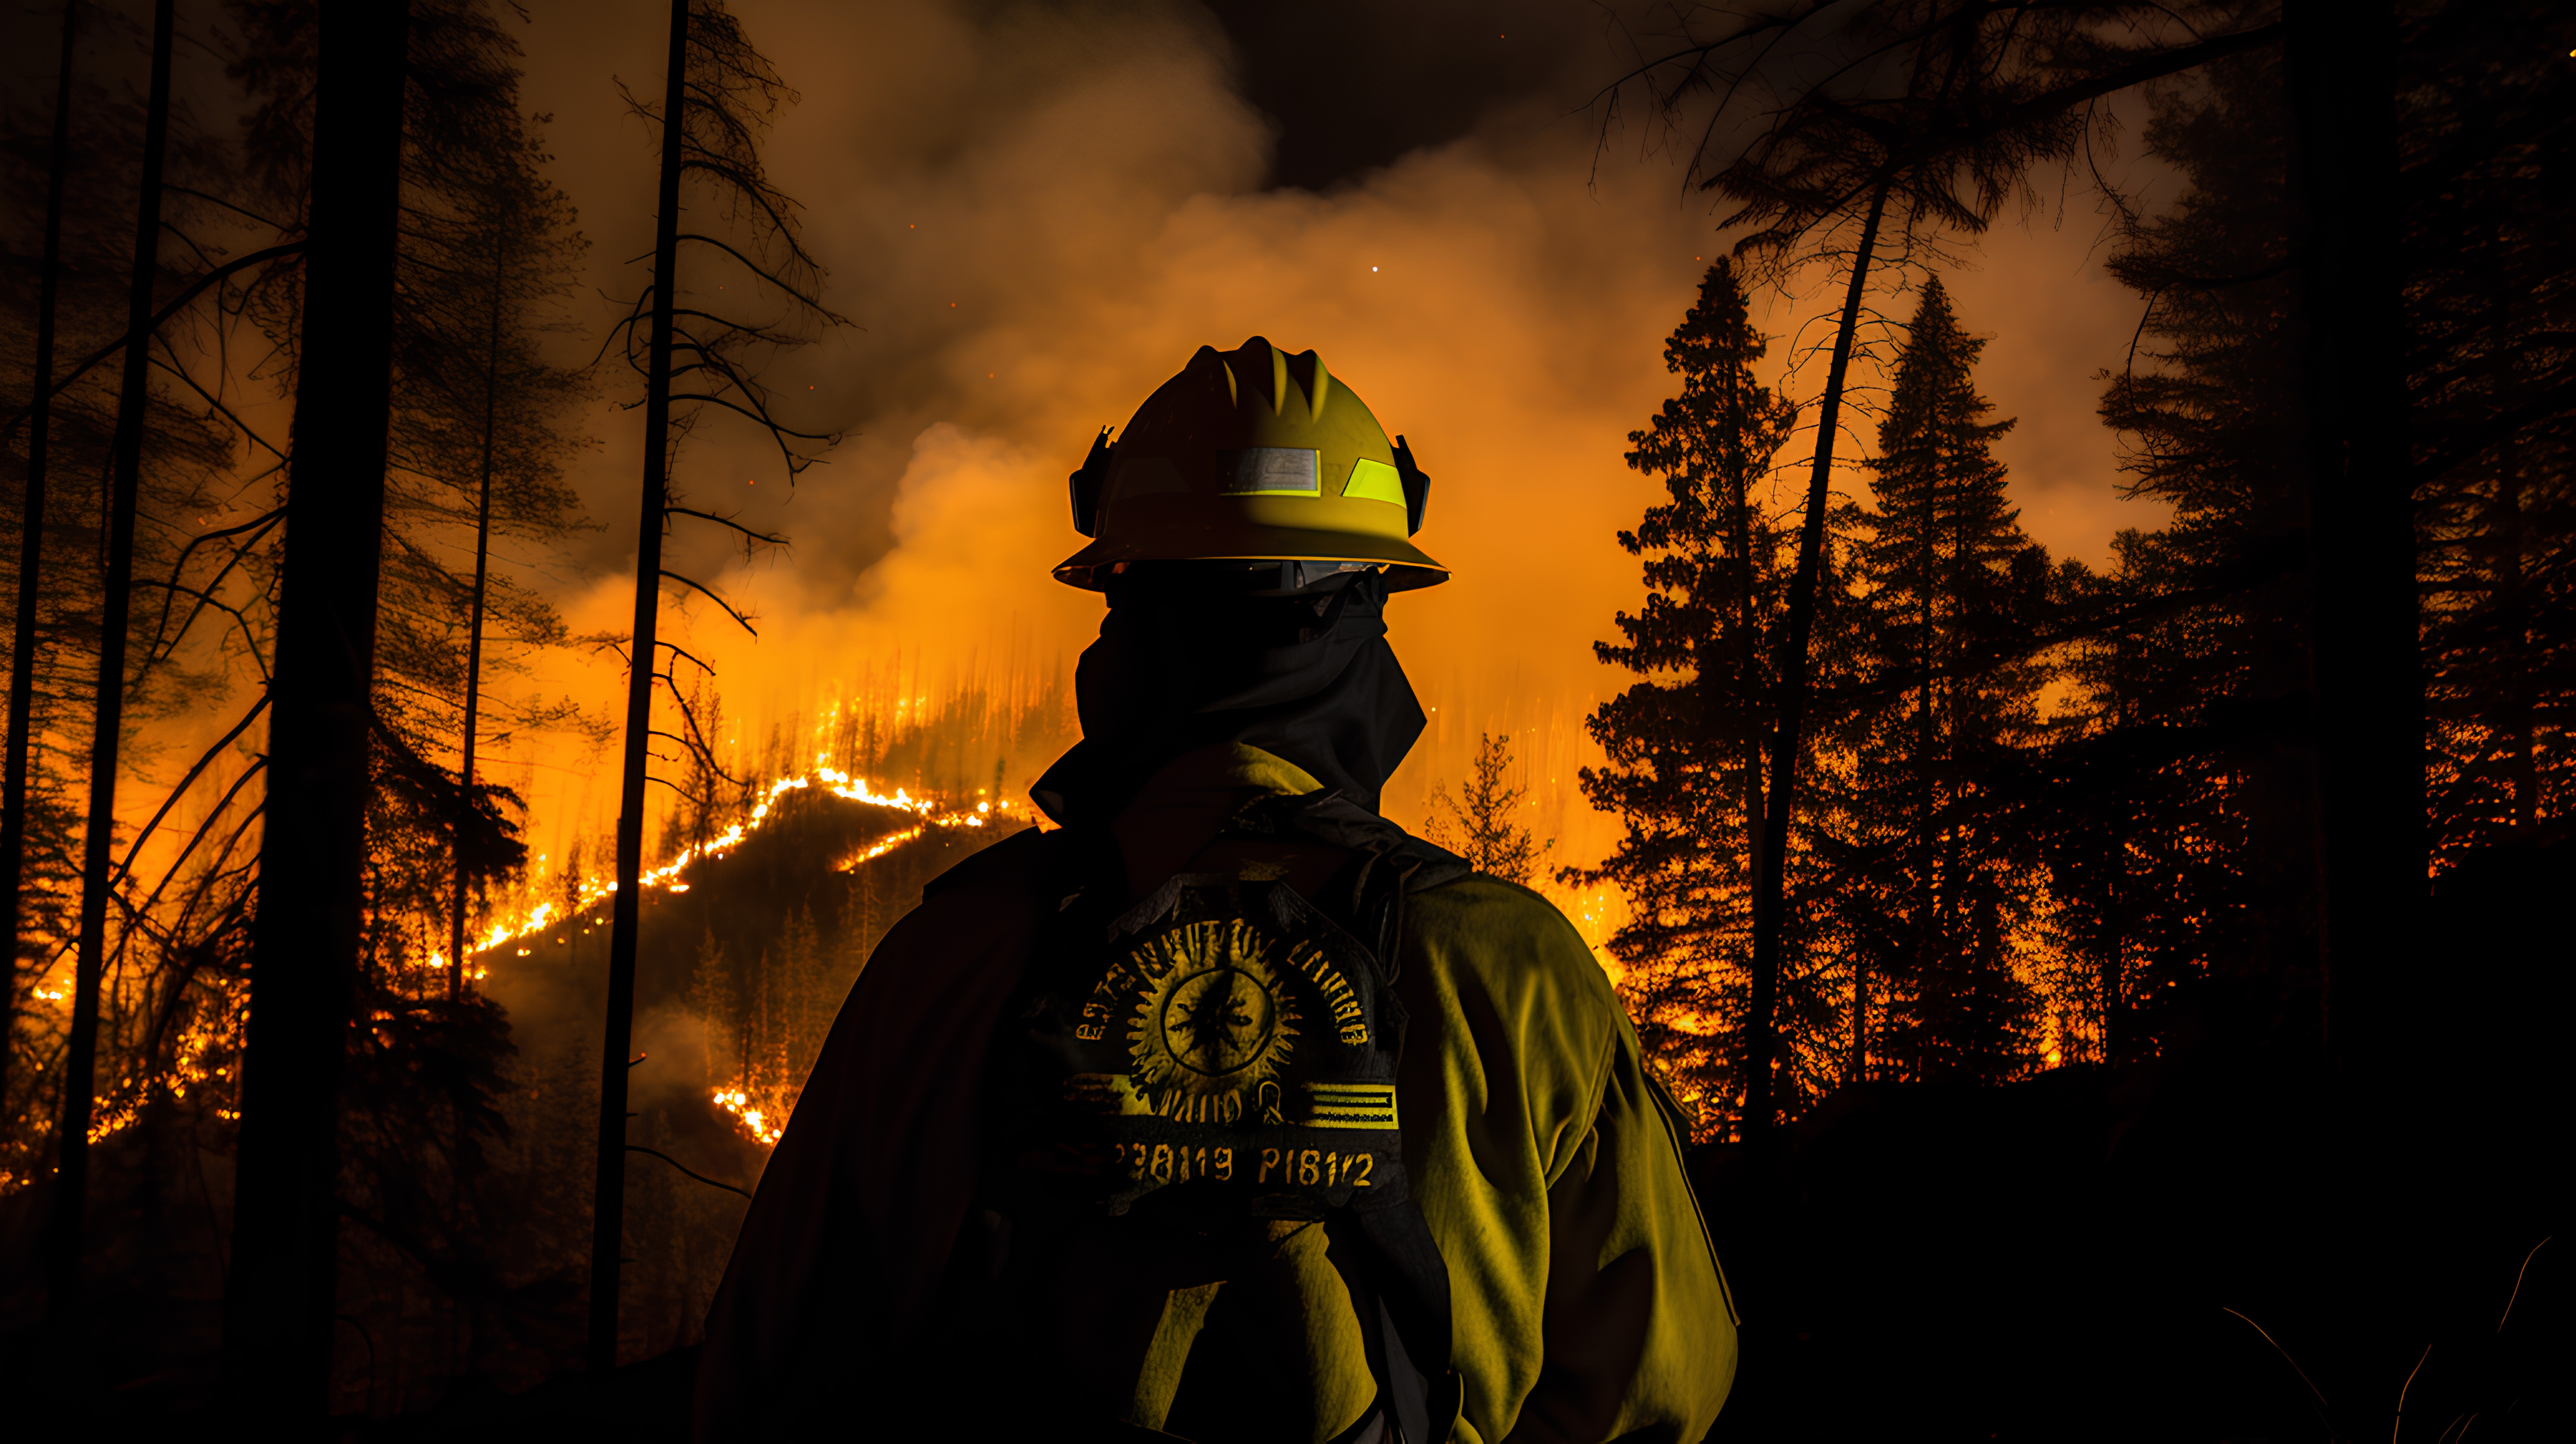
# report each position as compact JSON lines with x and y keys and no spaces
{"x":1034,"y":215}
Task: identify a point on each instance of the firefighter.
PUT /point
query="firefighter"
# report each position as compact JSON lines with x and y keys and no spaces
{"x":1225,"y":1110}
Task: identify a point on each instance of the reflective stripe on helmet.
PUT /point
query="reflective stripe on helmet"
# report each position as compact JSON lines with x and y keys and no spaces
{"x":1271,"y":471}
{"x":1375,"y":481}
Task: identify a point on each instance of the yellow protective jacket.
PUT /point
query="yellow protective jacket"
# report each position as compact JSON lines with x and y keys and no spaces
{"x":1586,"y":1302}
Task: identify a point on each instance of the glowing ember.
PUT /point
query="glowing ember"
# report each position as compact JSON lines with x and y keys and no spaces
{"x":755,"y":1122}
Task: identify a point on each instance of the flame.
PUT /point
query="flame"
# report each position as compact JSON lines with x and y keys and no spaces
{"x":764,"y":1121}
{"x":877,"y":849}
{"x":754,"y":1122}
{"x":202,"y":1057}
{"x":510,"y":928}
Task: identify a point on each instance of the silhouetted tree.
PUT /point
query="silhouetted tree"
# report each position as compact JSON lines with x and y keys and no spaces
{"x":2351,"y":349}
{"x":1937,"y":108}
{"x":1478,"y":825}
{"x":1685,"y":760}
{"x":107,"y":717}
{"x":2491,"y":297}
{"x":480,"y":432}
{"x":1936,"y":891}
{"x":2206,"y":409}
{"x":719,"y":94}
{"x":31,"y":551}
{"x":2138,"y":803}
{"x":310,"y":928}
{"x":475,"y":446}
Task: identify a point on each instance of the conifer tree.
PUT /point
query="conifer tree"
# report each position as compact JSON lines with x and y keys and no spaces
{"x":309,"y":938}
{"x":1686,"y":769}
{"x":2138,"y":808}
{"x":1936,"y":890}
{"x":1896,"y":123}
{"x":2201,"y":411}
{"x":1477,"y":824}
{"x":153,"y":977}
{"x":479,"y":442}
{"x":472,"y":454}
{"x":2492,"y":295}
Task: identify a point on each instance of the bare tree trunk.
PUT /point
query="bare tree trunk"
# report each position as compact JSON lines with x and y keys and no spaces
{"x":1748,"y":680}
{"x":2369,"y":679}
{"x":474,"y":632}
{"x":98,"y":838}
{"x":608,"y":1203}
{"x":305,"y":939}
{"x":1748,"y":685}
{"x":31,"y":556}
{"x":1788,"y":738}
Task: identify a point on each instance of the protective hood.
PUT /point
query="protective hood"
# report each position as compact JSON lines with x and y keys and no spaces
{"x":1307,"y":677}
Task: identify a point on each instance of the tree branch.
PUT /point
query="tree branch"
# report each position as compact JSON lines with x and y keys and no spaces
{"x":164,"y":314}
{"x":684,"y":1168}
{"x":759,"y":536}
{"x":701,"y":590}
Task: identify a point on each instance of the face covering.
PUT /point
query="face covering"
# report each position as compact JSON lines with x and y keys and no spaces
{"x":1183,"y":663}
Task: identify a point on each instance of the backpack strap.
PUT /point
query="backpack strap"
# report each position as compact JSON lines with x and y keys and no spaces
{"x":1399,"y":1283}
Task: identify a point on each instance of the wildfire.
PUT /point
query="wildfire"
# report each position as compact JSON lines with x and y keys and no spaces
{"x":762,"y":1124}
{"x":754,"y":1122}
{"x":201,"y":1058}
{"x":878,"y":849}
{"x":540,"y":916}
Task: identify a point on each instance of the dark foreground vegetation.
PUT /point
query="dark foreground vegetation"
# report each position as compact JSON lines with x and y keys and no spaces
{"x":2213,"y":1245}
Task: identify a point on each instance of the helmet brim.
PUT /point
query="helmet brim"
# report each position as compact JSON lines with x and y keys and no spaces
{"x":1406,"y":566}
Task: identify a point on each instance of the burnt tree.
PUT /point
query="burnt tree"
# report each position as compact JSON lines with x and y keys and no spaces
{"x":279,"y":1308}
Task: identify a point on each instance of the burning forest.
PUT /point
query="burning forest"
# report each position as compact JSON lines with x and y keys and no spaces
{"x":2005,"y":570}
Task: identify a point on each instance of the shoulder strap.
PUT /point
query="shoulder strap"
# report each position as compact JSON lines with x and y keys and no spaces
{"x":1397,"y":1278}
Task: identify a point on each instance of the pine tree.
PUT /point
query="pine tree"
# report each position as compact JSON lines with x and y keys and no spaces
{"x":2138,"y":809}
{"x":2201,"y":412}
{"x":2492,"y":294}
{"x":1477,"y":824}
{"x":1937,"y":888}
{"x":1686,"y":767}
{"x":1922,"y":117}
{"x":479,"y":440}
{"x":29,"y":590}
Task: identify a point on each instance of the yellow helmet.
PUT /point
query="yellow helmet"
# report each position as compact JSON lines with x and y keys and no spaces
{"x":1252,"y":455}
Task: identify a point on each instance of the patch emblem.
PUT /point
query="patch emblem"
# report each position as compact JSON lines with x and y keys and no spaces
{"x":1210,"y":1022}
{"x":1227,"y":1034}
